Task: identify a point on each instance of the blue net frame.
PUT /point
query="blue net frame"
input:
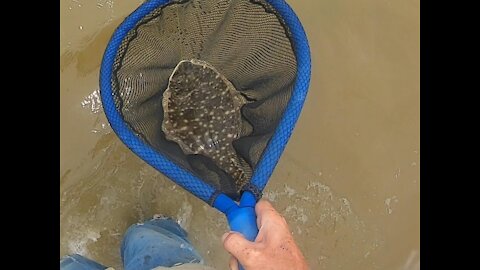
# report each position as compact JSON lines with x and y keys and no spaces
{"x":180,"y":176}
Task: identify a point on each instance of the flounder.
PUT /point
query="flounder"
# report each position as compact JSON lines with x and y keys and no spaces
{"x":202,"y":115}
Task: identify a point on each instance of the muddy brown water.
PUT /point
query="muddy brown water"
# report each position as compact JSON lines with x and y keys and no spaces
{"x":347,"y":183}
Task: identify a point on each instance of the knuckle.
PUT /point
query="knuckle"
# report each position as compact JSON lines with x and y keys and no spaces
{"x":229,"y":241}
{"x":233,"y":242}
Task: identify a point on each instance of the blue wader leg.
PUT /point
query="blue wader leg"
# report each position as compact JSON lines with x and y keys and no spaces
{"x":157,"y":242}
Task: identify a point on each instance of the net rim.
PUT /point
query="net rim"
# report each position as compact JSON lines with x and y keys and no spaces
{"x":182,"y":177}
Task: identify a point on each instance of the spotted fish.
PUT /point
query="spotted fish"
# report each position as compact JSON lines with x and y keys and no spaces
{"x":202,"y":115}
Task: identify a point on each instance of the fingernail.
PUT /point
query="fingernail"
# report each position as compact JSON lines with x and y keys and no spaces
{"x":225,"y":236}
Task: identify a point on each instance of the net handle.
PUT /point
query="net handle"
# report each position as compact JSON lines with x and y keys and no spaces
{"x":241,"y":218}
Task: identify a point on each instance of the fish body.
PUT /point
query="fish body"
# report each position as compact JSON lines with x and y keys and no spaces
{"x":202,"y":115}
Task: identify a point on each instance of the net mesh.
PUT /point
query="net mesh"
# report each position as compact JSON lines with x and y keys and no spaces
{"x":246,"y":41}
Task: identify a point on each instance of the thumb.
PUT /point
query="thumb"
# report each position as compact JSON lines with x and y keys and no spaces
{"x":238,"y":246}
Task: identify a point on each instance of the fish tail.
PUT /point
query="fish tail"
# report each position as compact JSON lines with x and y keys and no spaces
{"x":243,"y":173}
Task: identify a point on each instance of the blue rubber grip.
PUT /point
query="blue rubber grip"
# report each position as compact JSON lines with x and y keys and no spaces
{"x":242,"y":217}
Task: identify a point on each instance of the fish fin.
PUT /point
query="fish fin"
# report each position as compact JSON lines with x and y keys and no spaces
{"x":249,"y":96}
{"x":246,"y":173}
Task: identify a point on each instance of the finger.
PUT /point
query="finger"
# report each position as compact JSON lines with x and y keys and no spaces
{"x":233,"y":263}
{"x":273,"y":228}
{"x":265,"y":211}
{"x":238,"y":246}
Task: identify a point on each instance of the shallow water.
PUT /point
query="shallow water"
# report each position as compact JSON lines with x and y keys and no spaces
{"x":348,"y":182}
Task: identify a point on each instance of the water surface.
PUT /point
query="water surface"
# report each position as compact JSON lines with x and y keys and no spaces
{"x":348,"y":182}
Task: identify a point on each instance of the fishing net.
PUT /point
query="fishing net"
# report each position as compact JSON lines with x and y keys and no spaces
{"x":207,"y":92}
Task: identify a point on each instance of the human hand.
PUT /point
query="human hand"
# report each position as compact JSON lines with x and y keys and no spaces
{"x":274,"y":247}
